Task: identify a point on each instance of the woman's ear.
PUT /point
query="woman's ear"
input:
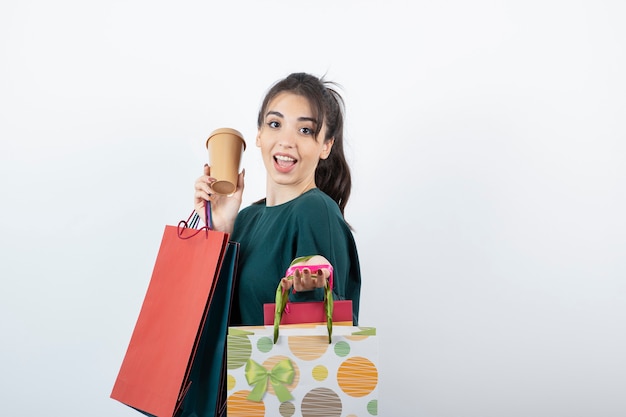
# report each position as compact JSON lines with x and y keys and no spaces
{"x":328,"y":146}
{"x":258,"y":138}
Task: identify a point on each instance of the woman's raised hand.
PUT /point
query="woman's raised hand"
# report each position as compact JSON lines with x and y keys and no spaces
{"x":224,"y":209}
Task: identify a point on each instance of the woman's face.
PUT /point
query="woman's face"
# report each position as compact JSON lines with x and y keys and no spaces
{"x":288,"y":144}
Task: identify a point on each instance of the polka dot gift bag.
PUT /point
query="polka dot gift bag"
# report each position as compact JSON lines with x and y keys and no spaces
{"x":307,"y":370}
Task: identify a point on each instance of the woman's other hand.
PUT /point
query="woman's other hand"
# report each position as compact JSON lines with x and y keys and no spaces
{"x":303,"y":279}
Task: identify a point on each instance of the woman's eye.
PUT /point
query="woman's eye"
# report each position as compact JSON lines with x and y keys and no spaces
{"x":273,"y":124}
{"x":307,"y":131}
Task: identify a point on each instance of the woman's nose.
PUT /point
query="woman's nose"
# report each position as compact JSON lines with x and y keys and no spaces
{"x":287,"y":139}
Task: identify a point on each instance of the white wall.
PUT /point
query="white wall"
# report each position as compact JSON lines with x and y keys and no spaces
{"x":488,"y":146}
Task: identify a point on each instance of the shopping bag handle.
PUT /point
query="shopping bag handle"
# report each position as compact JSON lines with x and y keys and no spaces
{"x":282,"y":298}
{"x":193,"y":220}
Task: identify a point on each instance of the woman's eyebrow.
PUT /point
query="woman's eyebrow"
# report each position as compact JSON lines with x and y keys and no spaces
{"x":307,"y":119}
{"x":274,"y":113}
{"x":300,"y":119}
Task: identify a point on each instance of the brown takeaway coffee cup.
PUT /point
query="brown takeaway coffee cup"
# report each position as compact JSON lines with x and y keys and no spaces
{"x":225,"y":148}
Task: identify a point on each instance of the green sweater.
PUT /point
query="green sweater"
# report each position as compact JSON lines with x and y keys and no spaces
{"x":271,"y":237}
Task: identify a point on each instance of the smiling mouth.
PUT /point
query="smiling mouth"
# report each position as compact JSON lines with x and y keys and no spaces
{"x":284,"y":161}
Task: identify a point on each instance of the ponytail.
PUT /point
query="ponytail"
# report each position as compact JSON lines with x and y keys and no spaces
{"x":333,"y":173}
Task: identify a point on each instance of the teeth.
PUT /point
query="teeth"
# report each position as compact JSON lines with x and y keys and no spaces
{"x":284,"y":158}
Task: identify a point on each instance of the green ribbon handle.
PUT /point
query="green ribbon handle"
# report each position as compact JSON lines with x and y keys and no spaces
{"x":281,"y":374}
{"x":282,"y":298}
{"x":328,"y":306}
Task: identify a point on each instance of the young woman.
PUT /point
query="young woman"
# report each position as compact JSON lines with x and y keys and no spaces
{"x":300,"y":135}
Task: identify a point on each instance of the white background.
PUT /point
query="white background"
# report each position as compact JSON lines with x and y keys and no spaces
{"x":487,"y":140}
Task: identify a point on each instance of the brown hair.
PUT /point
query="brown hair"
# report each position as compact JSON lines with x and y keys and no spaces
{"x":332,"y":175}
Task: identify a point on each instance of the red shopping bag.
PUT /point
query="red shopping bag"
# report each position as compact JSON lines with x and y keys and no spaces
{"x":309,"y":312}
{"x":154,"y":375}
